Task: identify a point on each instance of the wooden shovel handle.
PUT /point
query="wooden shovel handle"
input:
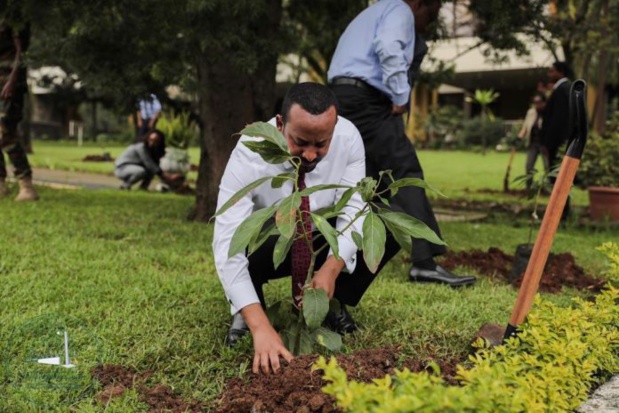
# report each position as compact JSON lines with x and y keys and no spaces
{"x":546,"y":234}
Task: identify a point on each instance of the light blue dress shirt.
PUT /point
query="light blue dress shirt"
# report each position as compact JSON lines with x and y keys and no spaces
{"x":149,"y":107}
{"x":377,"y":47}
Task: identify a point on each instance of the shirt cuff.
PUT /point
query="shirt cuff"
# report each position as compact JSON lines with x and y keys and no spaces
{"x":241,"y":295}
{"x":402,"y":99}
{"x":348,"y":252}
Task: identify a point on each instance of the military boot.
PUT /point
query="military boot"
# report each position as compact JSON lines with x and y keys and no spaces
{"x":4,"y":191}
{"x":26,"y":190}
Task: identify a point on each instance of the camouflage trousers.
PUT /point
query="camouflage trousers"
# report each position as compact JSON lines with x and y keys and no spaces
{"x":11,"y":112}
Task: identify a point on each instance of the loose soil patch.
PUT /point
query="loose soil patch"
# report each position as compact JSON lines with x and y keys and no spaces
{"x":106,"y":157}
{"x":296,"y":388}
{"x":561,"y":269}
{"x":521,"y":193}
{"x":161,"y":398}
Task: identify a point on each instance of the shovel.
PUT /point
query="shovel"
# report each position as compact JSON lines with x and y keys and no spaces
{"x":495,"y":333}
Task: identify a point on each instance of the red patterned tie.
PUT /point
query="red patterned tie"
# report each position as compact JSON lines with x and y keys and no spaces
{"x":301,"y":252}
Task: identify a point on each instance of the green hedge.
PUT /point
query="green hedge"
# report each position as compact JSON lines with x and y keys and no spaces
{"x":560,"y":354}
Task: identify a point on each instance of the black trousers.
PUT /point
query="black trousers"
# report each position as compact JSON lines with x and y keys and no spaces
{"x":349,"y":288}
{"x":12,"y":110}
{"x":388,"y":147}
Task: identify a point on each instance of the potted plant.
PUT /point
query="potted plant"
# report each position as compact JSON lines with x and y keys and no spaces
{"x":302,"y":328}
{"x":179,"y":131}
{"x":599,"y":173}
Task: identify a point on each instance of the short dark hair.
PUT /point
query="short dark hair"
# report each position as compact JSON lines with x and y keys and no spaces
{"x":312,"y":97}
{"x":563,"y":67}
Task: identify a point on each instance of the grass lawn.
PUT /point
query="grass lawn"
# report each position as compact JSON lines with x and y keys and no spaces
{"x":458,"y":174}
{"x":136,"y":286}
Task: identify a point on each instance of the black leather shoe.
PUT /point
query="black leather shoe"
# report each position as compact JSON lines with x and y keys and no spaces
{"x":237,"y":330}
{"x":340,"y":321}
{"x":439,"y":275}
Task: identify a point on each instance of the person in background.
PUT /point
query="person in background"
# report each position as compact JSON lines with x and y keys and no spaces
{"x":531,"y":132}
{"x":13,"y":87}
{"x":371,"y":74}
{"x":555,"y":126}
{"x":147,"y":116}
{"x":140,"y":162}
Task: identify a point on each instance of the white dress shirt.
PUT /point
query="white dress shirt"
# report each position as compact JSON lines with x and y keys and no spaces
{"x":344,"y":164}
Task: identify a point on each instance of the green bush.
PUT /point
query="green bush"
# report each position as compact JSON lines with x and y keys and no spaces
{"x":473,"y":132}
{"x":559,"y":355}
{"x":600,"y":166}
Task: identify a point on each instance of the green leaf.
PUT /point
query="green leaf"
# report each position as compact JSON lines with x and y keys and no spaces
{"x":268,"y":132}
{"x":411,"y":226}
{"x":268,"y":151}
{"x":413,"y":182}
{"x":367,"y":186}
{"x":328,"y":339}
{"x":279,"y":180}
{"x":374,"y":237}
{"x":401,"y":237}
{"x":315,"y":307}
{"x":286,"y":216}
{"x":328,"y":231}
{"x":240,"y":194}
{"x":306,"y":344}
{"x":345,"y":198}
{"x":260,"y":238}
{"x":247,"y":230}
{"x":356,"y":237}
{"x":274,"y":314}
{"x":282,"y":246}
{"x":316,"y":188}
{"x":328,"y":212}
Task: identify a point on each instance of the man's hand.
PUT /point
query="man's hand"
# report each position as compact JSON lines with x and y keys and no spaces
{"x":397,"y":109}
{"x":268,"y":348}
{"x":7,"y":90}
{"x":268,"y":345}
{"x":325,"y":277}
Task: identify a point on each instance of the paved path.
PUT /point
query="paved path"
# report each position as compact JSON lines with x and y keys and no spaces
{"x":72,"y":179}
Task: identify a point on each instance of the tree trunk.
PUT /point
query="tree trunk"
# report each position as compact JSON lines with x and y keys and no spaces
{"x":230,"y":98}
{"x":226,"y":105}
{"x":599,"y":109}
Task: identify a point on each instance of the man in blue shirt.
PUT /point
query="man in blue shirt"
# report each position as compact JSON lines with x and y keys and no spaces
{"x":147,"y":116}
{"x":370,"y":74}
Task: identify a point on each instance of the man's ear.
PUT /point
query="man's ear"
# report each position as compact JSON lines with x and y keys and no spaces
{"x":279,"y":122}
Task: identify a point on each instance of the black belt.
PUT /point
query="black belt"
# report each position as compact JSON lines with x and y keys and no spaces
{"x":351,"y":81}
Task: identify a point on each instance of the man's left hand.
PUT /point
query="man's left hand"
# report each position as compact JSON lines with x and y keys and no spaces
{"x":325,"y":277}
{"x":324,"y":280}
{"x":7,"y":90}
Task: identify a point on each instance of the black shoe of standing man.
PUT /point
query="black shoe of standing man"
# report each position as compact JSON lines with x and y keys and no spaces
{"x":429,"y":272}
{"x":237,"y":330}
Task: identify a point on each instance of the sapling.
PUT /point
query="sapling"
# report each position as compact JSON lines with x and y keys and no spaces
{"x":303,"y":331}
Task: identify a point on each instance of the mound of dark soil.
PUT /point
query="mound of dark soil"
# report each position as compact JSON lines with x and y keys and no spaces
{"x":561,"y":269}
{"x":106,"y":157}
{"x":296,"y":388}
{"x":161,"y":398}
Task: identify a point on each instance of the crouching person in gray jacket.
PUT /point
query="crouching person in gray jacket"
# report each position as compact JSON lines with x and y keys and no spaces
{"x":140,"y":162}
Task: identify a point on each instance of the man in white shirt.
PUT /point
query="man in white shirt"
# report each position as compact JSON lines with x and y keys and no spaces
{"x":331,"y":152}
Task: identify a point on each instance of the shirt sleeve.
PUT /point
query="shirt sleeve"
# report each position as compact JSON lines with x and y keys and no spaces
{"x":355,"y":171}
{"x":233,"y":271}
{"x":147,"y":161}
{"x":394,"y":33}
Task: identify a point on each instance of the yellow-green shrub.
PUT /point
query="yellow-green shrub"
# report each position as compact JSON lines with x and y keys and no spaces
{"x":560,"y":353}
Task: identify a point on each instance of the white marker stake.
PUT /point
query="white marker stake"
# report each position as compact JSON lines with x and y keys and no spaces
{"x":66,"y":351}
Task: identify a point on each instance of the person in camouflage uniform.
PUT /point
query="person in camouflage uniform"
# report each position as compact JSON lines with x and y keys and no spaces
{"x":13,"y":43}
